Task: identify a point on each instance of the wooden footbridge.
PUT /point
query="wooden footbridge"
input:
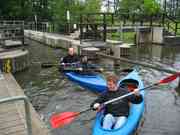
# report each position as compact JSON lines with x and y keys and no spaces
{"x":17,"y":116}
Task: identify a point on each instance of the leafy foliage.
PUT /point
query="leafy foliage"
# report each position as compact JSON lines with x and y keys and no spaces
{"x":148,"y":7}
{"x":15,"y":8}
{"x":151,"y":7}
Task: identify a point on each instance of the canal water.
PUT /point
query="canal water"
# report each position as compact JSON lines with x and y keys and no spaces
{"x":50,"y":92}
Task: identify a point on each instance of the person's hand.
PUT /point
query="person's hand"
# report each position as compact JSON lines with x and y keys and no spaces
{"x":80,"y":69}
{"x":62,"y":64}
{"x":136,"y":92}
{"x":101,"y":69}
{"x":96,"y":106}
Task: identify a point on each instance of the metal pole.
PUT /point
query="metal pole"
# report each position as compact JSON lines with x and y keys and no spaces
{"x":81,"y":29}
{"x":165,"y":5}
{"x":28,"y":116}
{"x":104,"y":27}
{"x":68,"y":17}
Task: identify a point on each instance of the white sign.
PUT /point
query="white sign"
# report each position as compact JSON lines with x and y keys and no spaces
{"x":75,"y":26}
{"x":68,"y":15}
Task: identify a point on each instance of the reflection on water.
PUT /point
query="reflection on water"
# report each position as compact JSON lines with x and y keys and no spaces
{"x":50,"y":92}
{"x":169,"y":55}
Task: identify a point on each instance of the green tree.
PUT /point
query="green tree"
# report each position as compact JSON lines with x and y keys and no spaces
{"x":93,"y":6}
{"x":19,"y":8}
{"x":76,"y":7}
{"x":130,"y":6}
{"x":147,"y":7}
{"x":151,"y":7}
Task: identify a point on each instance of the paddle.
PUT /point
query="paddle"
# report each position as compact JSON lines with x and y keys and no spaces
{"x":59,"y":120}
{"x":73,"y":67}
{"x":48,"y":65}
{"x":77,"y":67}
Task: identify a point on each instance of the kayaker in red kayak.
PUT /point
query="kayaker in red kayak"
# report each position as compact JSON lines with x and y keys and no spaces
{"x":117,"y":112}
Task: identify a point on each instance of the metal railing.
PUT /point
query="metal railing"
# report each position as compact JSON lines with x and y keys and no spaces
{"x":172,"y":25}
{"x":27,"y":109}
{"x":11,"y":30}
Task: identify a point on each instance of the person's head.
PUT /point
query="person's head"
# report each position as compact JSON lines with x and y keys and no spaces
{"x":71,"y":51}
{"x":112,"y":82}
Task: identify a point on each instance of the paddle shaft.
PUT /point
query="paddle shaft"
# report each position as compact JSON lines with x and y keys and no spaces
{"x":113,"y":100}
{"x":119,"y":98}
{"x":126,"y":95}
{"x":75,"y":66}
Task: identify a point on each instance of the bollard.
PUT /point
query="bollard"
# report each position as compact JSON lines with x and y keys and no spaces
{"x":7,"y":66}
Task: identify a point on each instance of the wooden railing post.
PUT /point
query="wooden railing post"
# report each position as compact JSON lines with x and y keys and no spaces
{"x":104,"y":28}
{"x":81,"y":28}
{"x":176,"y":27}
{"x":179,"y":83}
{"x":163,"y":19}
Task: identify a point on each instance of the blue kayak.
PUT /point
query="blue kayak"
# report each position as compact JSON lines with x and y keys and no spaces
{"x":93,"y":82}
{"x":136,"y":110}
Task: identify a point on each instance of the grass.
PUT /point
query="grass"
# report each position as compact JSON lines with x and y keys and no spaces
{"x":127,"y":37}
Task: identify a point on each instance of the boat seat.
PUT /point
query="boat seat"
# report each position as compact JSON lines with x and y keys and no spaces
{"x":129,"y":84}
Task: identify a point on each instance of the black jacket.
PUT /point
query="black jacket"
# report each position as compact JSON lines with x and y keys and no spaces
{"x":70,"y":59}
{"x":120,"y":107}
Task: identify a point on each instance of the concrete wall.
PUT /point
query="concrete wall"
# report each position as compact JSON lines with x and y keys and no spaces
{"x":155,"y":35}
{"x":14,"y":61}
{"x":143,"y":37}
{"x":55,"y":40}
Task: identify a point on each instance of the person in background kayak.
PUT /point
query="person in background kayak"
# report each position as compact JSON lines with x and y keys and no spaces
{"x":117,"y":112}
{"x":69,"y":62}
{"x":72,"y":57}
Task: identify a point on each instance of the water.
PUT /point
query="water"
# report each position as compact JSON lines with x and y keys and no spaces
{"x":51,"y":92}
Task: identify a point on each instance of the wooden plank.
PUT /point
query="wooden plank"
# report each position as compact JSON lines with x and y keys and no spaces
{"x":10,"y":124}
{"x":14,"y":130}
{"x":10,"y":118}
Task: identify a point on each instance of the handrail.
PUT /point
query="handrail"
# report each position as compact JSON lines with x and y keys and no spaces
{"x":27,"y":109}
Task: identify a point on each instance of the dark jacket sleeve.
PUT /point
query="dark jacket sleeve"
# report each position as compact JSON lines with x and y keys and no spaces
{"x":100,"y":100}
{"x":63,"y":59}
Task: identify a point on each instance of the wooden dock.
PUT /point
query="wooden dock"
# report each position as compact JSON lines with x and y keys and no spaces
{"x":12,"y":114}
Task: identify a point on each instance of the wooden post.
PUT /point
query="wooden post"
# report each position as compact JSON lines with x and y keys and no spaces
{"x":151,"y":20}
{"x":81,"y":29}
{"x":104,"y":26}
{"x":179,"y":83}
{"x":176,"y":27}
{"x":112,"y":17}
{"x":22,"y":30}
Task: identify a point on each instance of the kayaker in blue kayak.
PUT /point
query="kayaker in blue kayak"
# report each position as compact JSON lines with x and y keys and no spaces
{"x":69,"y":62}
{"x":117,"y":112}
{"x":72,"y":57}
{"x":76,"y":63}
